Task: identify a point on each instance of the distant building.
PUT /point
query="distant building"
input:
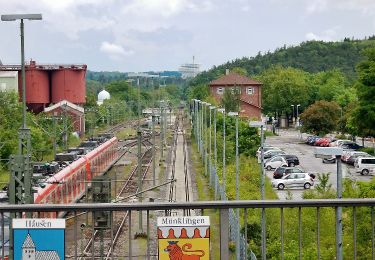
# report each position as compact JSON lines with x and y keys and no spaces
{"x":9,"y":81}
{"x":250,"y":93}
{"x":75,"y":112}
{"x":48,"y":84}
{"x":103,"y":95}
{"x":189,"y":70}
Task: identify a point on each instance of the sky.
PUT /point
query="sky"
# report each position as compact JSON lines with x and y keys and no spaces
{"x":145,"y":35}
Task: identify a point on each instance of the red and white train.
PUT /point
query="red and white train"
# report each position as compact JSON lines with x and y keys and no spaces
{"x":68,"y":185}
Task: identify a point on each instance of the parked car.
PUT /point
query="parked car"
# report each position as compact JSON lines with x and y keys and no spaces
{"x":313,"y":140}
{"x":351,"y":160}
{"x":275,"y":162}
{"x":339,"y":142}
{"x":282,"y":171}
{"x":265,"y":149}
{"x":272,"y":153}
{"x":309,"y":138}
{"x":348,"y":153}
{"x":326,"y":142}
{"x":351,"y":146}
{"x":291,"y":159}
{"x":294,"y":180}
{"x":364,"y":165}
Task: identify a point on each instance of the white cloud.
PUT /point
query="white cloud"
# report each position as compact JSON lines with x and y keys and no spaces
{"x":364,"y":6}
{"x":165,"y":8}
{"x":114,"y":51}
{"x":327,"y":35}
{"x":316,"y":6}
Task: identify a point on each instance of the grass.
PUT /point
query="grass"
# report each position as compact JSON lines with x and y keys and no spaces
{"x":125,"y":133}
{"x":205,"y":194}
{"x":4,"y":177}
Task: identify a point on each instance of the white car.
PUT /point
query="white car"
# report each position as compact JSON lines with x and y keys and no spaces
{"x":339,"y":142}
{"x":270,"y":153}
{"x":294,"y":180}
{"x":275,"y":162}
{"x":265,"y":149}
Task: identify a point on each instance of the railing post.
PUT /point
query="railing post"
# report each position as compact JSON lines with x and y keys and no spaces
{"x":339,"y":253}
{"x":224,"y":234}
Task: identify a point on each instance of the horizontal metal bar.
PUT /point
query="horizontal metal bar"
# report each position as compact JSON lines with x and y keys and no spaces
{"x":190,"y":205}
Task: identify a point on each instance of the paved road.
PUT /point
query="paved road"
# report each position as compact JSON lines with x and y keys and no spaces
{"x":290,"y":141}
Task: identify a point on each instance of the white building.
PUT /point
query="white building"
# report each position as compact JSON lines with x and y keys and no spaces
{"x":189,"y":70}
{"x":9,"y":81}
{"x":103,"y":95}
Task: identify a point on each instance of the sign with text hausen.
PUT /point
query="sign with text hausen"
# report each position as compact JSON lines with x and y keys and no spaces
{"x":184,"y":238}
{"x":39,"y":239}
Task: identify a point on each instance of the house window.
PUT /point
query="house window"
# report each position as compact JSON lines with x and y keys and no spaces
{"x":250,"y":90}
{"x":220,"y":90}
{"x":235,"y":90}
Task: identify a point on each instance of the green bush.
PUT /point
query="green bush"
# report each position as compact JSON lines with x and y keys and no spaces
{"x":368,"y":150}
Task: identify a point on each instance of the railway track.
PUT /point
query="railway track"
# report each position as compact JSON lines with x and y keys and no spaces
{"x":119,"y":219}
{"x":173,"y":197}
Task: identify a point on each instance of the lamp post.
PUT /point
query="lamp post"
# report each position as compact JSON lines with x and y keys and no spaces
{"x":292,"y":113}
{"x":260,"y":124}
{"x":222,"y":110}
{"x":235,"y":114}
{"x":215,"y":153}
{"x":206,"y":142}
{"x":212,"y":108}
{"x":20,"y":183}
{"x":297,"y":120}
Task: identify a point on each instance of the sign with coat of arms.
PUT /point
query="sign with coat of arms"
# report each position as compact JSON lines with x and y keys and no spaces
{"x":186,"y":238}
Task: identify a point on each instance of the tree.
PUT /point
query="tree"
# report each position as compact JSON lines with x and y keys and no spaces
{"x":321,"y":117}
{"x":283,"y":87}
{"x":331,"y":84}
{"x":200,"y":92}
{"x":231,"y":100}
{"x":364,"y":114}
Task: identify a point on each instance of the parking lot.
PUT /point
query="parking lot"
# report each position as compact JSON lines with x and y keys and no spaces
{"x":290,"y":141}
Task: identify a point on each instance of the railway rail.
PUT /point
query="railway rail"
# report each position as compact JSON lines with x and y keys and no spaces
{"x":129,"y":187}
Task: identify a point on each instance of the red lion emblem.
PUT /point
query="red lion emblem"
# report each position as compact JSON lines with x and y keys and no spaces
{"x":176,"y":253}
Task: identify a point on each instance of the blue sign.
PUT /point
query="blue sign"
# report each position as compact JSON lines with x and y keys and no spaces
{"x":36,"y":239}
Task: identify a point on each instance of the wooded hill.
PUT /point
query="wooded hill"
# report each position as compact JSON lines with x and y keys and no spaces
{"x":311,"y":56}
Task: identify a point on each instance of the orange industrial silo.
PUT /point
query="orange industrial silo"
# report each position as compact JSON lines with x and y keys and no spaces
{"x":37,"y":87}
{"x":68,"y":84}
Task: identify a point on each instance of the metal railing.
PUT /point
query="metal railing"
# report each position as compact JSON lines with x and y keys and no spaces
{"x":292,"y":226}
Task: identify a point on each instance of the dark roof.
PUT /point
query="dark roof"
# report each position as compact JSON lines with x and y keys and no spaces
{"x":234,"y":79}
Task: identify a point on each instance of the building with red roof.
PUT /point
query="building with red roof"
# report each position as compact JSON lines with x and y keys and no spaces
{"x":250,"y":92}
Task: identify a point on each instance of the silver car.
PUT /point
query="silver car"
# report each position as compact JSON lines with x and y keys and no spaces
{"x":294,"y":180}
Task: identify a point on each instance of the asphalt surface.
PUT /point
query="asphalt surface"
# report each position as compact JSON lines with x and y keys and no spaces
{"x":292,"y":142}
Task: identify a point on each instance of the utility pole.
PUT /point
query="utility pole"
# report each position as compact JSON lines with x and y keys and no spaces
{"x":161,"y":132}
{"x":153,"y":137}
{"x":215,"y":150}
{"x":139,"y":155}
{"x":54,"y":135}
{"x":65,"y":135}
{"x":222,"y":110}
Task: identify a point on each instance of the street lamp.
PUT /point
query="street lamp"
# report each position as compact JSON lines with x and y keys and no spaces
{"x":292,"y":113}
{"x":14,"y":17}
{"x":260,"y":124}
{"x":235,"y":114}
{"x":21,"y":191}
{"x":297,"y":120}
{"x":210,"y":150}
{"x":222,"y":110}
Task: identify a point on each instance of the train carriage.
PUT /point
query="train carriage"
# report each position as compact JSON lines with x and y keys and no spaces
{"x":68,"y":185}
